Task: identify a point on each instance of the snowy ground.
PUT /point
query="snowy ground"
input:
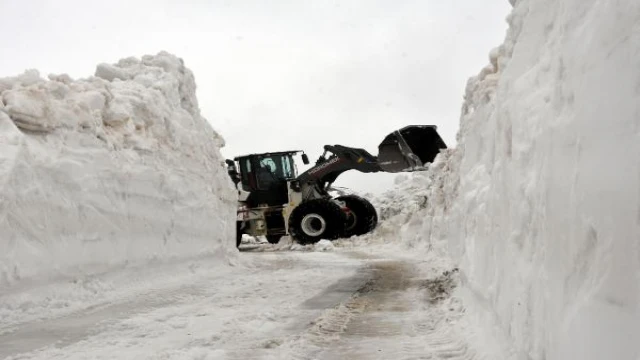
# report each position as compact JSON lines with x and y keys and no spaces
{"x":322,"y":302}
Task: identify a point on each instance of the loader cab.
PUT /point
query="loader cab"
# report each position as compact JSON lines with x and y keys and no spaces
{"x":265,"y":176}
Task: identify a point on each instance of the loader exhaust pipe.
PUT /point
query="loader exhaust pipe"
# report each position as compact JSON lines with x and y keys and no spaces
{"x":410,"y":148}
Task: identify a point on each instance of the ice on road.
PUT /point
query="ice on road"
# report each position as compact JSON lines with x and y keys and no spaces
{"x":275,"y":305}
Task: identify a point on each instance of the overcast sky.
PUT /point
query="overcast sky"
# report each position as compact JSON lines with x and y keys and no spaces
{"x":279,"y":75}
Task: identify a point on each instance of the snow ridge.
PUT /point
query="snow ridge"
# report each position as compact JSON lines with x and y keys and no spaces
{"x":116,"y":169}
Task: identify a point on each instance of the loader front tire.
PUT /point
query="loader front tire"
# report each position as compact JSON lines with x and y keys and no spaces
{"x":363,"y":218}
{"x":315,"y":220}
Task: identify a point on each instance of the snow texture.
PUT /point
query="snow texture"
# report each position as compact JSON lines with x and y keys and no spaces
{"x":539,"y":203}
{"x":116,"y":169}
{"x":537,"y":208}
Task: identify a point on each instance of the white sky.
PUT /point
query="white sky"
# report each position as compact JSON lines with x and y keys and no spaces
{"x":279,"y":75}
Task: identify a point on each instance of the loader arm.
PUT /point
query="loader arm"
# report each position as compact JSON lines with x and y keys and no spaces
{"x":342,"y":158}
{"x":404,"y":150}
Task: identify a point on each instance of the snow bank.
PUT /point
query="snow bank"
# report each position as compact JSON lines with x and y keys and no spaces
{"x":116,"y":169}
{"x":539,"y":204}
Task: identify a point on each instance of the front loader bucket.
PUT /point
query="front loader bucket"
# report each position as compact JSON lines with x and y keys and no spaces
{"x":410,"y":148}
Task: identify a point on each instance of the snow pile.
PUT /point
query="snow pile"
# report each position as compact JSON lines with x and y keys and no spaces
{"x":260,"y":244}
{"x":324,"y":245}
{"x":116,"y":169}
{"x":412,"y":195}
{"x":539,"y":204}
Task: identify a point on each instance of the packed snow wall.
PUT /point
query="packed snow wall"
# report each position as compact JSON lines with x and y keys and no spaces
{"x":116,"y":169}
{"x":539,"y":203}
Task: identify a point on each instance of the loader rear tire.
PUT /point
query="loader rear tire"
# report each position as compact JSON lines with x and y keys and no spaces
{"x":363,"y":218}
{"x":273,"y":239}
{"x":238,"y":233}
{"x":315,"y":220}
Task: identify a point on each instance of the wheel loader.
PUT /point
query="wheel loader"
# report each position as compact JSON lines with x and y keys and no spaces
{"x":275,"y":201}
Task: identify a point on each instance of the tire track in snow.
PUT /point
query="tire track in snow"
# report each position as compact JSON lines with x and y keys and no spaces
{"x":394,"y":315}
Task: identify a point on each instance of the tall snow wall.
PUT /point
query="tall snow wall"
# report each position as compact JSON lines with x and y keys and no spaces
{"x":539,"y":203}
{"x":116,"y":169}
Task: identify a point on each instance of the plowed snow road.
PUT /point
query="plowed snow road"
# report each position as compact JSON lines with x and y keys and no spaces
{"x":287,"y":305}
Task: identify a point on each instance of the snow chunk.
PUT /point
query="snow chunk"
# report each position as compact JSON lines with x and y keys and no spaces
{"x":63,"y":78}
{"x":29,"y":77}
{"x":324,"y":245}
{"x":111,"y":72}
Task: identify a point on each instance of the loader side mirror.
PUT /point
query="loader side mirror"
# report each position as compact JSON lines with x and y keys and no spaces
{"x":305,"y":159}
{"x":231,"y":166}
{"x":232,"y":171}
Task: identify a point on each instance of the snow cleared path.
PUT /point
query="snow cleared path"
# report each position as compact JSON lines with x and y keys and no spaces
{"x":274,"y":305}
